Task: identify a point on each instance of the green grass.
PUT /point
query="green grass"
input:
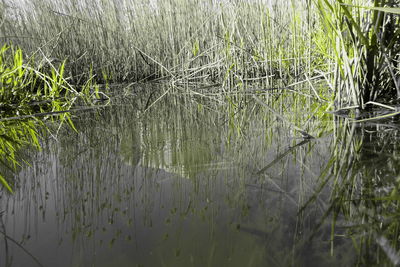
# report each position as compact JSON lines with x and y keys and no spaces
{"x":28,"y":91}
{"x":228,"y":43}
{"x":187,"y":41}
{"x":233,"y":43}
{"x":366,"y":50}
{"x":15,"y":136}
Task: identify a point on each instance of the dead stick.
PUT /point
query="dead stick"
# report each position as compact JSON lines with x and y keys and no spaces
{"x":279,"y":116}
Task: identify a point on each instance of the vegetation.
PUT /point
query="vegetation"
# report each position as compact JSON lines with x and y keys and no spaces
{"x":366,"y":49}
{"x":216,"y":42}
{"x":27,"y":92}
{"x":223,"y":50}
{"x":234,"y":43}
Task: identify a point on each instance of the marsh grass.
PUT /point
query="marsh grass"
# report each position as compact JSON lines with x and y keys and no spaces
{"x":366,"y":50}
{"x":221,"y":42}
{"x":28,"y":87}
{"x":235,"y":44}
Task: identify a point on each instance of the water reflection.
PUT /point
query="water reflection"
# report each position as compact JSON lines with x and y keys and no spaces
{"x":364,"y":195}
{"x":14,"y":137}
{"x":186,"y":183}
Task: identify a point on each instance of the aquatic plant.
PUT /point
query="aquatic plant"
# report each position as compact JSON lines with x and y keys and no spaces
{"x":353,"y":45}
{"x":27,"y":92}
{"x":366,"y":50}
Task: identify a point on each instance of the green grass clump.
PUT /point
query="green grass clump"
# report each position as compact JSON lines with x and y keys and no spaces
{"x":366,"y":49}
{"x":27,"y":91}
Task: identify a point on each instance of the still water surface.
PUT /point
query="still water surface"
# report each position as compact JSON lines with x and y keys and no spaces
{"x":186,"y":184}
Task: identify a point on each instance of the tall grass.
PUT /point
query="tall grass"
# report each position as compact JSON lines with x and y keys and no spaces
{"x":366,"y":49}
{"x":227,"y":42}
{"x":232,"y":43}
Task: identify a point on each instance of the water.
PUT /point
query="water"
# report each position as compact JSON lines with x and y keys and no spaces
{"x":189,"y":182}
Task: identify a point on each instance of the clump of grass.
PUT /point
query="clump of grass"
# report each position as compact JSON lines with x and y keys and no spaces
{"x":366,"y":49}
{"x":28,"y":90}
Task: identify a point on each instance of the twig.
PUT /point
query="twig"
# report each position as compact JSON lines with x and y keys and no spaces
{"x":21,"y":247}
{"x":304,"y":134}
{"x":53,"y":113}
{"x":281,"y":156}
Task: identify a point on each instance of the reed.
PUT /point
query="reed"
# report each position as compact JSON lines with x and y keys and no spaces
{"x":366,"y":50}
{"x":233,"y":43}
{"x":225,"y":42}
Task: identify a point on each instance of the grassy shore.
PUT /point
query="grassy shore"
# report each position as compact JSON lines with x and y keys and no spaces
{"x":232,"y":43}
{"x":61,"y":49}
{"x":192,"y":41}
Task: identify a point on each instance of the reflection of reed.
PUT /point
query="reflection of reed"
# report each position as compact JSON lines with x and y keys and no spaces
{"x":364,"y":191}
{"x":109,"y":184}
{"x":282,"y":155}
{"x":8,"y":256}
{"x":304,"y":134}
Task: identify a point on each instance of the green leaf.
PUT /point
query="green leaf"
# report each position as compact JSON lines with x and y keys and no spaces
{"x":356,"y":26}
{"x":6,"y":185}
{"x":393,"y":10}
{"x":196,"y":48}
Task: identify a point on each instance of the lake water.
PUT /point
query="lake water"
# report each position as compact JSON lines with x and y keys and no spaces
{"x":189,"y":181}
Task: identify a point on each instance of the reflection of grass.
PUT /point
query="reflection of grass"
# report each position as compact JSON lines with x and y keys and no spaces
{"x":96,"y":188}
{"x":13,"y":137}
{"x":365,"y":191}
